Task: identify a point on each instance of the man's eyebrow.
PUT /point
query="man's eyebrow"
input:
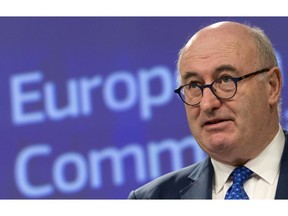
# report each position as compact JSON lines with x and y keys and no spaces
{"x":218,"y":70}
{"x":190,"y":74}
{"x":222,"y":68}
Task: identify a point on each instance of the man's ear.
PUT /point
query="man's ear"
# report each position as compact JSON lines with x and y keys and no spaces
{"x":275,"y":84}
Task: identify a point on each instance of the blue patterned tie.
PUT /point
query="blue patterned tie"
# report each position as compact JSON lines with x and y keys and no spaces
{"x":240,"y":176}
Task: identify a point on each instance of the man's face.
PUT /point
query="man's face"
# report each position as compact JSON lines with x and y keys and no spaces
{"x":235,"y":130}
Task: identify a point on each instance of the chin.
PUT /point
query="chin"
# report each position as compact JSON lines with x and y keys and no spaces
{"x":218,"y":143}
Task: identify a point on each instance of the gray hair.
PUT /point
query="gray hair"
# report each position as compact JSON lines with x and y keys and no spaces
{"x":264,"y":47}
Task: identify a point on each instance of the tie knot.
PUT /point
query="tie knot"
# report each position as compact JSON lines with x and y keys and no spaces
{"x":241,"y":175}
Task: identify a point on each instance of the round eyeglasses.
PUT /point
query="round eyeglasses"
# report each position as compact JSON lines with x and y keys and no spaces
{"x":224,"y":87}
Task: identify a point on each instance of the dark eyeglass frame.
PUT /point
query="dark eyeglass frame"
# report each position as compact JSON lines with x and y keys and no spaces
{"x":210,"y":86}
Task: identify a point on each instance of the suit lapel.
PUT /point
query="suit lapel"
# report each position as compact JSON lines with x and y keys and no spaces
{"x":282,"y":187}
{"x":200,"y":186}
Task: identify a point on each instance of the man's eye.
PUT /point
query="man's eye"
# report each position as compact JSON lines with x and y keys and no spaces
{"x":225,"y":79}
{"x":193,"y":84}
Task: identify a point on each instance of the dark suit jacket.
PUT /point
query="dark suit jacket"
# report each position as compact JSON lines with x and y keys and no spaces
{"x":195,"y":182}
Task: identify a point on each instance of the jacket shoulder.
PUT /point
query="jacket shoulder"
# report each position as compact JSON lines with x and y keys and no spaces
{"x":169,"y":185}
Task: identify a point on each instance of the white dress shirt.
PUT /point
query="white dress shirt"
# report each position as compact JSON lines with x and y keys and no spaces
{"x":263,"y":183}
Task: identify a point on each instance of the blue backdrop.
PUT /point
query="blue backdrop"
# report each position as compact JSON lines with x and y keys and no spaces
{"x":88,"y":108}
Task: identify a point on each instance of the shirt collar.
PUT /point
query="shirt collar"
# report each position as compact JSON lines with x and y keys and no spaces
{"x":263,"y":165}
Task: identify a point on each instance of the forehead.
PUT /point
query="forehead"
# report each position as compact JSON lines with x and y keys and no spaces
{"x":207,"y":50}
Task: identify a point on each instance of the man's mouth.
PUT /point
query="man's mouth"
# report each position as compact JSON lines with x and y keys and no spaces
{"x":215,"y":122}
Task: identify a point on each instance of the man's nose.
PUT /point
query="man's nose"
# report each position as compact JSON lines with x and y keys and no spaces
{"x":209,"y":101}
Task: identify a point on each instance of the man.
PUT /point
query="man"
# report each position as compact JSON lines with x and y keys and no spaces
{"x":230,"y":85}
